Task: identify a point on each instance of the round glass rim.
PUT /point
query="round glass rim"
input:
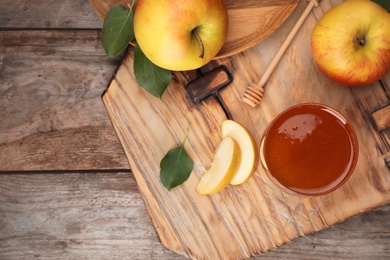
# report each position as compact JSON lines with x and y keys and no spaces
{"x":351,"y":134}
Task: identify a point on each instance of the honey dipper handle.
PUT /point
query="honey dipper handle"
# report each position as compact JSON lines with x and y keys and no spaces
{"x":287,"y":42}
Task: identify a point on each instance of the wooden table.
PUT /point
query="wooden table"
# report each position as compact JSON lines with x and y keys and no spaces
{"x":66,"y":189}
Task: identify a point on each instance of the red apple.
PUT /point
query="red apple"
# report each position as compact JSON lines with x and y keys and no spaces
{"x":351,"y":42}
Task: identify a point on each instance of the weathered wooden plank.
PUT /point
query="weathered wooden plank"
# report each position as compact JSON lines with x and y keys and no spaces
{"x":75,"y":216}
{"x":48,"y":14}
{"x":41,"y":213}
{"x":102,"y":216}
{"x":244,"y":220}
{"x":348,"y":240}
{"x":381,"y":118}
{"x":51,"y":113}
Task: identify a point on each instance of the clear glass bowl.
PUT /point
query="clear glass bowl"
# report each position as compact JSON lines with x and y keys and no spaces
{"x":309,"y":149}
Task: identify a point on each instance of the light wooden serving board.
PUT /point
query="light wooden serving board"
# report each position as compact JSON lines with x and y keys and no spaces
{"x":252,"y":218}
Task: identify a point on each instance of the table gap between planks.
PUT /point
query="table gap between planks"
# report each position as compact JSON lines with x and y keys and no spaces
{"x":66,"y":189}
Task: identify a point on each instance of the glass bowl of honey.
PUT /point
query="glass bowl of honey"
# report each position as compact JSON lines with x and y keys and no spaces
{"x":309,"y":149}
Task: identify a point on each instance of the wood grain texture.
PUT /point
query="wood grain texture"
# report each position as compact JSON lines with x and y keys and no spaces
{"x":52,"y":117}
{"x":75,"y":216}
{"x":381,"y":118}
{"x":20,"y":14}
{"x":102,"y":216}
{"x":255,"y":217}
{"x":249,"y":21}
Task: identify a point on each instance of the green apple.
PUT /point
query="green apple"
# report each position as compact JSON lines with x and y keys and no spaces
{"x":351,"y":43}
{"x":180,"y":35}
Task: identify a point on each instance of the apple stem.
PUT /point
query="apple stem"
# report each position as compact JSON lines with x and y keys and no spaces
{"x":359,"y":40}
{"x":200,"y":43}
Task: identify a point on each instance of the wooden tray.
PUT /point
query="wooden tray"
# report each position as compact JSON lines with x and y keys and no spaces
{"x":245,"y":220}
{"x":250,"y":21}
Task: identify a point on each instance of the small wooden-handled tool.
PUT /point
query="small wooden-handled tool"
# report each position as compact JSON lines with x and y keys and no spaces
{"x":254,"y":93}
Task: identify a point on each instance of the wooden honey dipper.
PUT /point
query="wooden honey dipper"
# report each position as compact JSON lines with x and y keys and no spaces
{"x":254,"y":93}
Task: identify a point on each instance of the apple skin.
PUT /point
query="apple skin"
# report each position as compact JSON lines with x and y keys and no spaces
{"x":340,"y":56}
{"x":165,"y":31}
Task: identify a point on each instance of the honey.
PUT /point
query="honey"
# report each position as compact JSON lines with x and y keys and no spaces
{"x":310,"y":149}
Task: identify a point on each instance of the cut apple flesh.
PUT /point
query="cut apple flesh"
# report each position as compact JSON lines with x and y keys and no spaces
{"x":247,"y":146}
{"x":223,"y":167}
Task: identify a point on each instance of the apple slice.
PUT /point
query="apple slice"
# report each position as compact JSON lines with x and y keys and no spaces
{"x":248,"y":148}
{"x":223,"y":167}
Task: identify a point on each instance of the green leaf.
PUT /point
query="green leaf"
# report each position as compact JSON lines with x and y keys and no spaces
{"x":175,"y":167}
{"x":149,"y":76}
{"x":118,"y":29}
{"x":384,"y":3}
